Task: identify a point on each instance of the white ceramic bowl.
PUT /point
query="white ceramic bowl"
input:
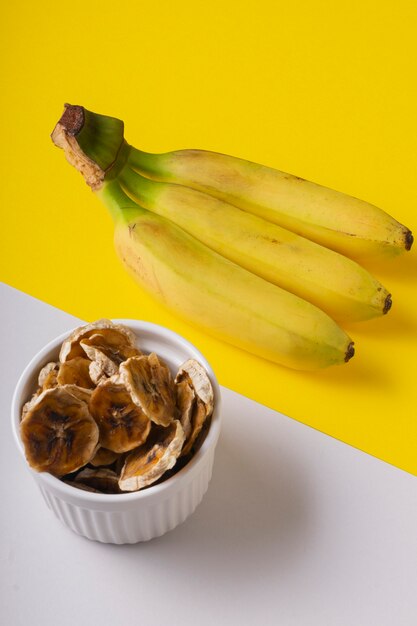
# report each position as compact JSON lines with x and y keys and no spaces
{"x":141,"y":515}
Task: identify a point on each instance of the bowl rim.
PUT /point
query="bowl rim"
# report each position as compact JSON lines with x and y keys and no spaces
{"x":70,"y":492}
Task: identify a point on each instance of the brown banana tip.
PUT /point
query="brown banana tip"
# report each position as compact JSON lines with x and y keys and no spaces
{"x":388,"y":304}
{"x":409,"y":239}
{"x":349,"y":352}
{"x":72,"y":119}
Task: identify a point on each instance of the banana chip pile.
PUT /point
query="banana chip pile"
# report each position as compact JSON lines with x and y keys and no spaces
{"x":110,"y":419}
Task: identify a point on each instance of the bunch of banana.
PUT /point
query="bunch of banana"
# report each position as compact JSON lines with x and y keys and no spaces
{"x":234,"y":247}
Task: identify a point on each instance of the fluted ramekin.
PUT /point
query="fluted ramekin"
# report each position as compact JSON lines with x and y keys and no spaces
{"x":141,"y":515}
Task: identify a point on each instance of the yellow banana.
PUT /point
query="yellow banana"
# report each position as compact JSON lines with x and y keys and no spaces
{"x":197,"y":283}
{"x":221,"y":297}
{"x":334,"y":283}
{"x":343,"y":223}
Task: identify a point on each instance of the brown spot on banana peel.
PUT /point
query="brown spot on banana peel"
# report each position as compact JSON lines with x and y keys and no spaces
{"x":408,"y":239}
{"x":349,"y":352}
{"x":131,"y":228}
{"x":387,"y":304}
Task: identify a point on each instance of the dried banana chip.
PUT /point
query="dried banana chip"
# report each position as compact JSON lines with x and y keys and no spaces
{"x":198,"y":418}
{"x":151,"y":386}
{"x":107,"y":353}
{"x":185,"y":403}
{"x":149,"y":462}
{"x":96,"y":373}
{"x":194,"y":375}
{"x":75,"y":372}
{"x":103,"y":480}
{"x":198,"y":378}
{"x":58,"y":433}
{"x":104,"y":457}
{"x":122,"y":424}
{"x":28,"y":405}
{"x":47,"y":378}
{"x":112,"y":332}
{"x":79,"y":392}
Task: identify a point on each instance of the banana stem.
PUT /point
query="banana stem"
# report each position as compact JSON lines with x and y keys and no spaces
{"x":93,"y":143}
{"x":147,"y":163}
{"x":120,"y":206}
{"x":139,"y":188}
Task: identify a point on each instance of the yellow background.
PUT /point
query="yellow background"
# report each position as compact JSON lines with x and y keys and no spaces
{"x":325,"y":90}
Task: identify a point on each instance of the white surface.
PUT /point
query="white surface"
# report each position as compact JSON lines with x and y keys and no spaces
{"x":296,"y":529}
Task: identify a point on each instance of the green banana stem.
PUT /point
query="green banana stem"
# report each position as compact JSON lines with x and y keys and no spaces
{"x":94,"y":144}
{"x":149,"y":164}
{"x":120,"y":206}
{"x":142,"y":190}
{"x":100,"y":137}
